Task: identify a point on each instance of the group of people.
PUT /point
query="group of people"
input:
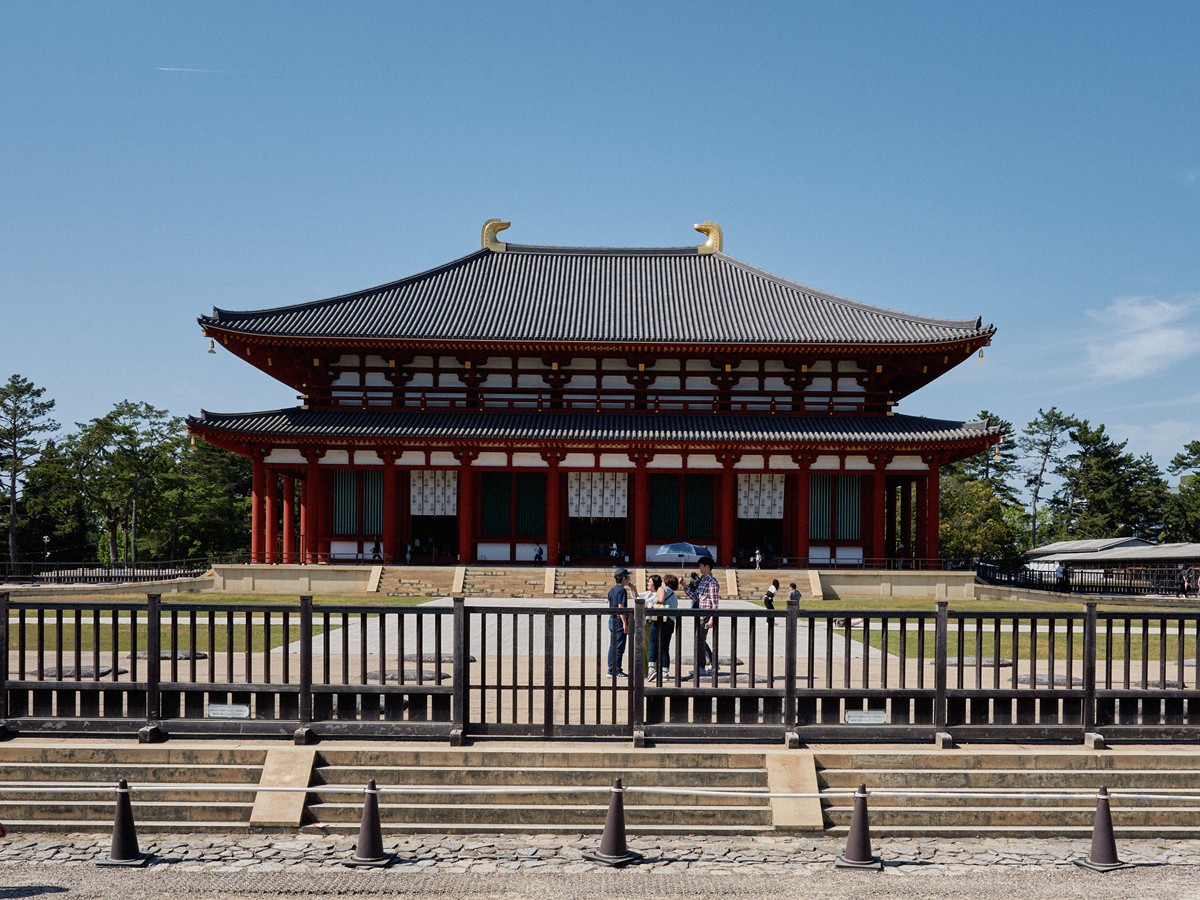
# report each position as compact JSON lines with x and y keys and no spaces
{"x":662,"y":595}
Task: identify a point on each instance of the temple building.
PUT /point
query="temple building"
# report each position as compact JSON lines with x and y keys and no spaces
{"x":570,"y":399}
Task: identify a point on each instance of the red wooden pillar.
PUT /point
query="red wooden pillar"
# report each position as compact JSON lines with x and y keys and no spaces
{"x":641,"y":507}
{"x":878,"y":509}
{"x":801,"y":513}
{"x":257,"y":485}
{"x":889,"y":533}
{"x":933,"y":497}
{"x":289,"y":519}
{"x":302,"y":545}
{"x":312,"y":507}
{"x":466,"y":506}
{"x":553,"y":504}
{"x":391,"y":549}
{"x":906,"y":515}
{"x":727,"y":537}
{"x":271,"y":511}
{"x":922,"y":535}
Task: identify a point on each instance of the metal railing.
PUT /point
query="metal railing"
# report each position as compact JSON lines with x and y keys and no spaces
{"x":55,"y":572}
{"x":1117,"y":580}
{"x":459,"y":669}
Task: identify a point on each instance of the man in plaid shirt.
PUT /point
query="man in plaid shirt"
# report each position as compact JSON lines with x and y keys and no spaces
{"x":705,"y":594}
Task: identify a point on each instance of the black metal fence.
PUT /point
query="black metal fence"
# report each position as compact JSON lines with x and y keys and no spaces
{"x":460,"y":670}
{"x":1080,"y":579}
{"x":50,"y":572}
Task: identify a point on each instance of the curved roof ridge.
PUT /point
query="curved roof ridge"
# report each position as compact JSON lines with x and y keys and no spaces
{"x":846,"y":301}
{"x":235,"y":315}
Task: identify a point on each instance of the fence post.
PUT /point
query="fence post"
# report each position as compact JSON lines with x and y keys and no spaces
{"x":637,"y":688}
{"x":940,"y":652}
{"x":152,"y":731}
{"x":304,"y":733}
{"x":790,"y":737}
{"x":462,"y":653}
{"x":3,"y":664}
{"x":1089,"y":667}
{"x":547,"y":673}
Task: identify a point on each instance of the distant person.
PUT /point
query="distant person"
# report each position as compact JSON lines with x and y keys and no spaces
{"x":705,"y":594}
{"x":618,"y":625}
{"x":1061,"y":578}
{"x":794,"y":593}
{"x":376,"y":551}
{"x":538,"y":555}
{"x":769,"y":596}
{"x":758,"y":557}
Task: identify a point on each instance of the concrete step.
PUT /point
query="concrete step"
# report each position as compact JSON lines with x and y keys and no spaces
{"x":134,"y":773}
{"x":577,"y":816}
{"x":100,"y":812}
{"x":1018,"y":818}
{"x":520,"y":760}
{"x":1011,"y":779}
{"x":1169,"y":758}
{"x":474,"y":776}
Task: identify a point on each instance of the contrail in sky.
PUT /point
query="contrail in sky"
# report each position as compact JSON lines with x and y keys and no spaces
{"x":199,"y":71}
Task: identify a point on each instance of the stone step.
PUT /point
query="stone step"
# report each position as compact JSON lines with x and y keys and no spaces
{"x":100,"y":812}
{"x":608,"y":761}
{"x":134,"y":773}
{"x":552,"y":797}
{"x":884,"y":819}
{"x":577,"y":816}
{"x":1041,"y":779}
{"x":934,"y":760}
{"x":656,"y":776}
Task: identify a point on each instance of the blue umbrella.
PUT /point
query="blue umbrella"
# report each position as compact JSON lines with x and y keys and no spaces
{"x":680,"y":552}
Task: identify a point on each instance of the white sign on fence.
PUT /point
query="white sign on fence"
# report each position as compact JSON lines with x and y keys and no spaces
{"x":866,"y":717}
{"x":229,"y":710}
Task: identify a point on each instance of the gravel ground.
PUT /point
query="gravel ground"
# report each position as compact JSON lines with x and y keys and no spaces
{"x":552,"y":866}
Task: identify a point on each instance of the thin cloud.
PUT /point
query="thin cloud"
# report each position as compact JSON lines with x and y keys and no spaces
{"x":1191,"y":177}
{"x":195,"y":71}
{"x":1139,"y":336}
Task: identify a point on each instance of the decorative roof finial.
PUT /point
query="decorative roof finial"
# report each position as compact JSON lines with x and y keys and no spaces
{"x":488,"y":239}
{"x":716,"y":239}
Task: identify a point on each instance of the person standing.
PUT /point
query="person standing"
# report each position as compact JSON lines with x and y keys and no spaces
{"x":705,"y":594}
{"x":662,"y":627}
{"x":794,"y":593}
{"x":758,"y":557}
{"x":618,"y":625}
{"x":769,"y":596}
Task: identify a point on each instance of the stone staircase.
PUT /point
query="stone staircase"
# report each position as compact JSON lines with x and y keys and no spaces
{"x":483,"y":581}
{"x":753,"y":583}
{"x":154,"y":773}
{"x":1172,"y":769}
{"x":582,"y":584}
{"x":561,"y":807}
{"x":419,"y":581}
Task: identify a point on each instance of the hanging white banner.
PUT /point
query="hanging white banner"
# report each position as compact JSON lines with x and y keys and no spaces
{"x":597,"y":495}
{"x":433,"y":493}
{"x":760,"y":496}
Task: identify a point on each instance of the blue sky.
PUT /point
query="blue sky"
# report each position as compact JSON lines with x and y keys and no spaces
{"x":1035,"y":164}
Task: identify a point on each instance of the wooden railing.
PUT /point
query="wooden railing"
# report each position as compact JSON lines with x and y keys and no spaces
{"x":459,"y":670}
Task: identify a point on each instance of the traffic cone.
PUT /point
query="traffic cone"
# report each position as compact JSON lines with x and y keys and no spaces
{"x":1103,"y":857}
{"x":124,"y":850}
{"x":369,"y":850}
{"x":613,"y":849}
{"x":857,"y":854}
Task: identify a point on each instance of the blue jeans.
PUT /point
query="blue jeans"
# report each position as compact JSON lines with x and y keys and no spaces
{"x":616,"y":645}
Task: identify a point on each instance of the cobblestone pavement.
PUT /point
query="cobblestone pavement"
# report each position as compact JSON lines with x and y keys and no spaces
{"x":552,"y":866}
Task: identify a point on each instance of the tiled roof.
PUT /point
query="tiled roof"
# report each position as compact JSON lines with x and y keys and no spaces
{"x":598,"y":295}
{"x":598,"y":428}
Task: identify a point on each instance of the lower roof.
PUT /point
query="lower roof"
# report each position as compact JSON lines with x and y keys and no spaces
{"x":661,"y":429}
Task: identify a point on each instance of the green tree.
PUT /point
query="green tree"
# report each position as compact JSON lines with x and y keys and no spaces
{"x":210,"y":502}
{"x":1040,"y":444}
{"x":996,"y":467}
{"x":976,"y":522}
{"x":1181,"y":519}
{"x":24,"y":418}
{"x":1106,"y":491}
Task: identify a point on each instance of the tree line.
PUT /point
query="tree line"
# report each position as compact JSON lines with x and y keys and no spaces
{"x":1063,"y":478}
{"x":128,"y":485}
{"x":132,"y":484}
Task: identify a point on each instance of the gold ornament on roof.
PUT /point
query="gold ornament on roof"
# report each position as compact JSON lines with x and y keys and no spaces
{"x":491,"y":228}
{"x":716,"y":238}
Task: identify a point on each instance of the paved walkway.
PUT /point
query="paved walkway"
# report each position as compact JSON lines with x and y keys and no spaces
{"x":537,"y":866}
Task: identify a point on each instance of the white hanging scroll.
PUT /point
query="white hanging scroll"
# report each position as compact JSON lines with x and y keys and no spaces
{"x":597,"y":495}
{"x":760,"y":496}
{"x":433,"y":493}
